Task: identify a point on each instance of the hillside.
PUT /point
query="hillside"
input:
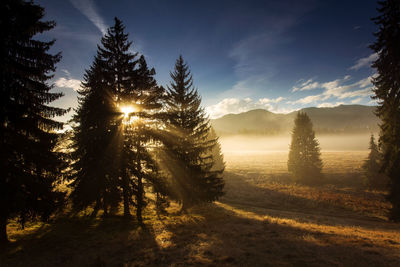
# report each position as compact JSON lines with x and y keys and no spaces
{"x":344,"y":119}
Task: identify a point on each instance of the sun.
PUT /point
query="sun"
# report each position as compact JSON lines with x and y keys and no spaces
{"x":127,"y":110}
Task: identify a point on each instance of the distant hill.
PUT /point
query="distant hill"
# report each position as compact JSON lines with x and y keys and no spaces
{"x":344,"y":119}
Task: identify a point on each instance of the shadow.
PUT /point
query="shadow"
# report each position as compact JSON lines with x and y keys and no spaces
{"x":242,"y":194}
{"x":81,"y":241}
{"x":250,"y":226}
{"x":216,"y":236}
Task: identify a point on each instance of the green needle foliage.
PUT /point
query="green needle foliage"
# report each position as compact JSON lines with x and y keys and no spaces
{"x":387,"y":92}
{"x":29,"y":167}
{"x":304,"y":156}
{"x":189,"y":149}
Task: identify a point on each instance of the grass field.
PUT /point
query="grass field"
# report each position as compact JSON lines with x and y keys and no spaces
{"x":263,"y":220}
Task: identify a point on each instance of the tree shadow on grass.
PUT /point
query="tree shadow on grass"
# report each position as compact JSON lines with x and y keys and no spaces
{"x":81,"y":241}
{"x":242,"y":194}
{"x":220,"y":237}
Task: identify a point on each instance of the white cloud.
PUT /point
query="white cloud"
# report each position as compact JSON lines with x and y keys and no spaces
{"x":68,"y":83}
{"x":338,"y":89}
{"x":307,"y":85}
{"x":307,"y":100}
{"x":357,"y":93}
{"x":364,"y":62}
{"x":356,"y":101}
{"x":88,"y":8}
{"x":236,"y":105}
{"x":330,"y":105}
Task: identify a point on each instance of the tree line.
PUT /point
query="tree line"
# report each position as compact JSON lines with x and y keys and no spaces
{"x":130,"y":136}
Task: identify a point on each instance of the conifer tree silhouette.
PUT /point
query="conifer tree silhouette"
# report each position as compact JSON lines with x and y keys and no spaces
{"x":99,"y":171}
{"x":304,"y":156}
{"x":189,"y":149}
{"x":372,"y":166}
{"x":29,"y":167}
{"x":112,"y":151}
{"x":387,"y":92}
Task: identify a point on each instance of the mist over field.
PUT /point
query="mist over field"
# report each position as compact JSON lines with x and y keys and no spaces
{"x":248,"y":144}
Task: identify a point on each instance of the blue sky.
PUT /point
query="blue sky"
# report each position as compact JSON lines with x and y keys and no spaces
{"x":278,"y":55}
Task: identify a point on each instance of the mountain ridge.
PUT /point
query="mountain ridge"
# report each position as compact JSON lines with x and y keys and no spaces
{"x":340,"y":119}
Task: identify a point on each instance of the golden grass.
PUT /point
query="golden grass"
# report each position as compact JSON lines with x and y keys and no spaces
{"x":259,"y":222}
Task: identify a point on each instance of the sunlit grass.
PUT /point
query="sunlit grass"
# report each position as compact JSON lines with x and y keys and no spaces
{"x":259,"y":222}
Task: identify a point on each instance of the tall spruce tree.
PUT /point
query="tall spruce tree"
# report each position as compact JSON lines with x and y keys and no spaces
{"x":100,"y":161}
{"x":188,"y":148}
{"x":119,"y":108}
{"x":29,"y":167}
{"x":304,"y":156}
{"x":372,"y":166}
{"x":94,"y":172}
{"x":141,"y":136}
{"x":387,"y":92}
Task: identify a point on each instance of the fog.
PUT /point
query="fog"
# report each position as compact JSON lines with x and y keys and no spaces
{"x":245,"y":144}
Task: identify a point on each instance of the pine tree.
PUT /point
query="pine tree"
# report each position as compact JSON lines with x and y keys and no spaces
{"x":141,"y":134}
{"x":100,"y":167}
{"x":29,"y":167}
{"x":94,"y":172}
{"x":216,"y":152}
{"x":372,"y":166}
{"x":119,"y":108}
{"x":387,"y":92}
{"x":188,"y":148}
{"x":304,"y":156}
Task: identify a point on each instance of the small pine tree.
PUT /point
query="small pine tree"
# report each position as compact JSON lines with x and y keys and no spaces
{"x":372,"y":166}
{"x":387,"y":92}
{"x":216,"y":152}
{"x":188,"y":147}
{"x":304,"y":156}
{"x":29,"y":166}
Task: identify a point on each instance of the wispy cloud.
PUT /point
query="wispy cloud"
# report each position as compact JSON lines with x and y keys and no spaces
{"x":364,"y":62}
{"x":88,"y":8}
{"x":305,"y":86}
{"x":255,"y":54}
{"x":237,"y":105}
{"x":336,"y":89}
{"x":68,"y":83}
{"x":356,"y":101}
{"x":330,"y":105}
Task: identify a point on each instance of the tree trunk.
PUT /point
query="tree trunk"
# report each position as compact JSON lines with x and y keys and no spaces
{"x":139,"y":200}
{"x":125,"y":189}
{"x":3,"y":230}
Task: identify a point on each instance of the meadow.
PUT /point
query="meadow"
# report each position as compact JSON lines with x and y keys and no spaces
{"x":264,"y":219}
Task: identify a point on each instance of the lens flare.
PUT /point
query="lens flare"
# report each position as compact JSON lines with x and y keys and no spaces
{"x":127,"y":110}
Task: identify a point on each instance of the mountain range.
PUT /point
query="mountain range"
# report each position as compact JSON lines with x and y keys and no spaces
{"x":343,"y":119}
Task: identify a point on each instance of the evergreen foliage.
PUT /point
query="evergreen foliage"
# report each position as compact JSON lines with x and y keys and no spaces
{"x":141,"y":137}
{"x":29,"y":167}
{"x":216,"y":152}
{"x":94,"y":147}
{"x":188,"y":146}
{"x":387,"y":92}
{"x":372,"y":166}
{"x":304,"y":156}
{"x":99,"y":171}
{"x":112,"y":151}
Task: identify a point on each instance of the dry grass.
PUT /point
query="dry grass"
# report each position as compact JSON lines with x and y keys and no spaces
{"x":259,"y":222}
